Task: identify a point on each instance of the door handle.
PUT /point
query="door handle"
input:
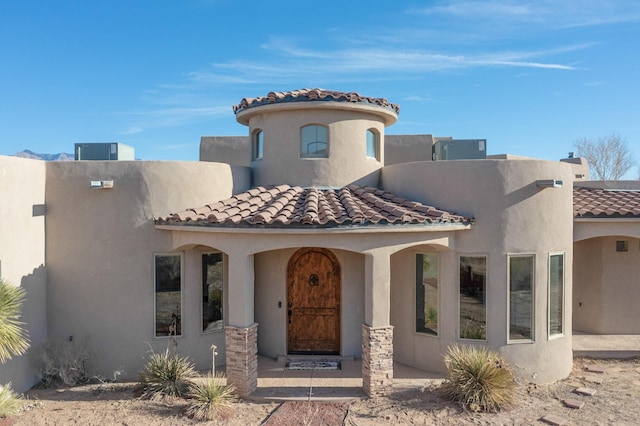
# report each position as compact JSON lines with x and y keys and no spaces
{"x":290,"y":313}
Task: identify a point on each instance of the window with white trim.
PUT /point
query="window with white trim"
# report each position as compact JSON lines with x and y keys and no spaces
{"x":427,"y":293}
{"x":556,"y":294}
{"x":212,"y":292}
{"x":373,"y":144}
{"x":168,"y":294}
{"x":258,"y":144}
{"x":472,"y":302}
{"x":314,"y":141}
{"x":521,"y":301}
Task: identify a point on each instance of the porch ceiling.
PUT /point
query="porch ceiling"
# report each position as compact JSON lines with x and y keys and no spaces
{"x":296,"y":207}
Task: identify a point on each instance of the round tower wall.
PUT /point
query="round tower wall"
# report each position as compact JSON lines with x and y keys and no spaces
{"x":346,"y":161}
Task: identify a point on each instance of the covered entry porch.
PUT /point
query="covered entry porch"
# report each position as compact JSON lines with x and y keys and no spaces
{"x":284,"y":244}
{"x":259,"y":266}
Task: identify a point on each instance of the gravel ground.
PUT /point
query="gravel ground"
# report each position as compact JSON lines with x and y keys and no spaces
{"x":616,"y":401}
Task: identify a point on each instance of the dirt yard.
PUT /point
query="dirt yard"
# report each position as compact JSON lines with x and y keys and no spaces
{"x":616,"y":401}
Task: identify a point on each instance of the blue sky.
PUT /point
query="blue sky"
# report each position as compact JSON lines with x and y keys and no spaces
{"x":529,"y":76}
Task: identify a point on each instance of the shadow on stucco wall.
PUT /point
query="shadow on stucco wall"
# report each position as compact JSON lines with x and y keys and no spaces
{"x":21,"y":370}
{"x":241,"y":176}
{"x":371,"y":179}
{"x":521,"y":194}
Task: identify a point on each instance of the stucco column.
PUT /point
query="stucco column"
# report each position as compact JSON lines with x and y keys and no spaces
{"x":377,"y":290}
{"x":241,"y":333}
{"x":377,"y":333}
{"x":241,"y":290}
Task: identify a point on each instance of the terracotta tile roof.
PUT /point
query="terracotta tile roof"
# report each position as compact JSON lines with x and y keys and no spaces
{"x":312,"y":95}
{"x":603,"y":203}
{"x":293,"y":206}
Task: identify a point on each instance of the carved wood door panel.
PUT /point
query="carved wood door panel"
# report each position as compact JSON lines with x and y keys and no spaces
{"x":313,"y":302}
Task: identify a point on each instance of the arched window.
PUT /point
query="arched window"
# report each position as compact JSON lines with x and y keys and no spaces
{"x":373,"y":144}
{"x":314,"y":142}
{"x":257,"y":144}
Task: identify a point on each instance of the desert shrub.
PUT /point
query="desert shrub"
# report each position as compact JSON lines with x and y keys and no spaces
{"x":478,"y":378}
{"x":166,"y":374}
{"x":9,"y":401}
{"x":210,"y":397}
{"x":65,"y":360}
{"x":13,"y":339}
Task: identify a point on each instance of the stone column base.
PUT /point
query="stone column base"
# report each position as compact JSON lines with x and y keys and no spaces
{"x":377,"y":360}
{"x":242,"y":358}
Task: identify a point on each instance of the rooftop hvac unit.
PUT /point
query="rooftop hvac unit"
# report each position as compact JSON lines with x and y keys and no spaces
{"x":104,"y":151}
{"x":460,"y":149}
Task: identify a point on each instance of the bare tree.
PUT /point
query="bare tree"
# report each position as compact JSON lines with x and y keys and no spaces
{"x":609,"y":157}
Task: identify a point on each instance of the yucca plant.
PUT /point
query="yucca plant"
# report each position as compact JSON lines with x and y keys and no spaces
{"x":210,"y":397}
{"x":166,"y":374}
{"x":9,"y":401}
{"x":13,"y":339}
{"x":478,"y":378}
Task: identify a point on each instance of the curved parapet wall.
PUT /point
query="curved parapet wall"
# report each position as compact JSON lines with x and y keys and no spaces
{"x":516,"y":213}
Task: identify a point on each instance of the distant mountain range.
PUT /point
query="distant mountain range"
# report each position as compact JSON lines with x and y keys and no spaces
{"x":63,"y":156}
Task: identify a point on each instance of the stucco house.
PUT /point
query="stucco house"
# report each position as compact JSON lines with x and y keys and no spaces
{"x":318,"y":234}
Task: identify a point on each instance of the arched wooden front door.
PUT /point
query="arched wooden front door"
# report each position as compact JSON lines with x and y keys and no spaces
{"x":313,"y":302}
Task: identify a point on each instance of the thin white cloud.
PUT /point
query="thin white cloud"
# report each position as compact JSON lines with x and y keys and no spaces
{"x":546,"y":13}
{"x":289,"y":63}
{"x":478,"y":9}
{"x":217,"y":78}
{"x":417,"y":98}
{"x":171,"y":117}
{"x":526,"y":65}
{"x":132,"y":130}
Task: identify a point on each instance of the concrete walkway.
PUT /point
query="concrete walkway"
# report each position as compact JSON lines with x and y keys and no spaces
{"x":606,"y":345}
{"x":275,"y":383}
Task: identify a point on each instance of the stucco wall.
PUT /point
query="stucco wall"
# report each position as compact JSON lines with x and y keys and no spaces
{"x":580,"y":168}
{"x":513,"y":216}
{"x":607,"y":286}
{"x":22,"y":256}
{"x":347,"y":162}
{"x":587,"y":286}
{"x":100,"y":247}
{"x":407,"y":148}
{"x":234,"y":150}
{"x":620,"y":284}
